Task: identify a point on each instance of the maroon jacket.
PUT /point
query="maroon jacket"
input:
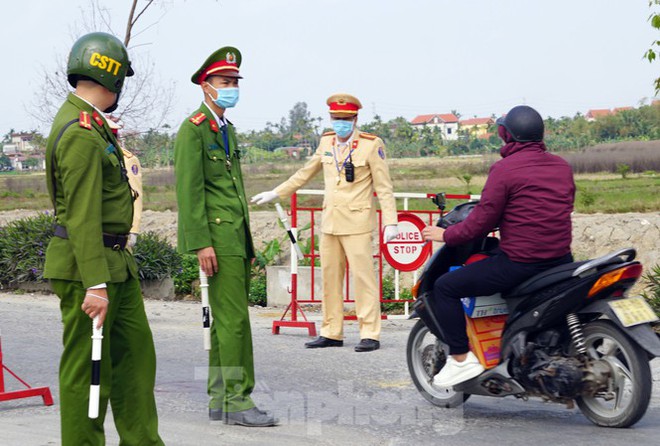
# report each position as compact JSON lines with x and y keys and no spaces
{"x":529,"y":195}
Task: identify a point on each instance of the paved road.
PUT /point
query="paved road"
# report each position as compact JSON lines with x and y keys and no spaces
{"x":331,"y":397}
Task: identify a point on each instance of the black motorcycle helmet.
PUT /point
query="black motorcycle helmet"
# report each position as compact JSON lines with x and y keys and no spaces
{"x":523,"y":123}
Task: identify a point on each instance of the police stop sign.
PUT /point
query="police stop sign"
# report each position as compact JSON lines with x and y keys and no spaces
{"x":408,"y":251}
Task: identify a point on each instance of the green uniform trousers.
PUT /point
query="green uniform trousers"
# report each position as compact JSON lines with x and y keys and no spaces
{"x":128,"y":367}
{"x":231,"y":366}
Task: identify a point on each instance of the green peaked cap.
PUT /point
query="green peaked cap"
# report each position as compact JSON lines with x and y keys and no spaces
{"x":224,"y":62}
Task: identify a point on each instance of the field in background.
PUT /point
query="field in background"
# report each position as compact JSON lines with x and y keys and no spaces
{"x":597,"y":192}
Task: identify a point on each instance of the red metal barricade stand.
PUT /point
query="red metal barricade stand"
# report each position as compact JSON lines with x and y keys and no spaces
{"x":294,"y":306}
{"x":43,"y":392}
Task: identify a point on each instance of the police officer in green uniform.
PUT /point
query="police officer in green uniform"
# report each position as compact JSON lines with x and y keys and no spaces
{"x":214,"y":224}
{"x":86,"y":261}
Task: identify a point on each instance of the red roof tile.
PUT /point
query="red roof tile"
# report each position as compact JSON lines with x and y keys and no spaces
{"x":477,"y":121}
{"x":597,"y":113}
{"x":425,"y":119}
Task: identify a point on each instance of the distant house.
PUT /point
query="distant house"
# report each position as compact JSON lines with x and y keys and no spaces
{"x":19,"y":143}
{"x":476,"y":126}
{"x":16,"y":160}
{"x":446,"y":122}
{"x":594,"y":114}
{"x":655,"y":103}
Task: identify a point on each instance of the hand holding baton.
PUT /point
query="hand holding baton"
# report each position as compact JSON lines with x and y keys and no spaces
{"x":95,"y":386}
{"x":292,"y":237}
{"x":206,"y":314}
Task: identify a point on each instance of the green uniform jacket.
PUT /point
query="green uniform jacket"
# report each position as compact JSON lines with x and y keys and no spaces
{"x":210,"y":195}
{"x":91,"y":197}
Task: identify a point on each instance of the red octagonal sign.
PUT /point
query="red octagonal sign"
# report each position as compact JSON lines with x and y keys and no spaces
{"x":408,"y":251}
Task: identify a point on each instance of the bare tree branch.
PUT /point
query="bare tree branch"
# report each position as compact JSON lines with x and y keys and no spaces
{"x":132,"y":21}
{"x":145,"y":101}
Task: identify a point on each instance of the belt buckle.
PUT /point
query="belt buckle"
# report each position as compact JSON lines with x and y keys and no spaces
{"x":116,"y":247}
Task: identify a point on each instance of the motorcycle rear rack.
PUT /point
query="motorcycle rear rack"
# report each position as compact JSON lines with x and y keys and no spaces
{"x":612,"y":258}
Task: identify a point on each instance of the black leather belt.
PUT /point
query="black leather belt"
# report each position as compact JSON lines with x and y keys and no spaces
{"x":114,"y":241}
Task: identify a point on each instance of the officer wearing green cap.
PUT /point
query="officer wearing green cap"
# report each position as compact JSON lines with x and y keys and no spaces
{"x":86,"y":261}
{"x":214,"y":224}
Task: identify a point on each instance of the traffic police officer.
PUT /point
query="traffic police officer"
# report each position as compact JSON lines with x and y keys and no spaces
{"x":214,"y":224}
{"x":87,"y":263}
{"x":353,"y":164}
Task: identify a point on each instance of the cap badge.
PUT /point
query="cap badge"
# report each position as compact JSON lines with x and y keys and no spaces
{"x":231,"y":58}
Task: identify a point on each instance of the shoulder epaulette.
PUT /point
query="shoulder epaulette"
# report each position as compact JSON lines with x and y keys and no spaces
{"x":368,"y":136}
{"x":85,"y":121}
{"x":330,"y":133}
{"x":198,"y":118}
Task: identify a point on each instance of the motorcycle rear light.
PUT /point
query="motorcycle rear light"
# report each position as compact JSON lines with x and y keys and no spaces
{"x":612,"y":277}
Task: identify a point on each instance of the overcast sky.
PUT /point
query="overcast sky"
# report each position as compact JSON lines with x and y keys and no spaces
{"x":401,"y":58}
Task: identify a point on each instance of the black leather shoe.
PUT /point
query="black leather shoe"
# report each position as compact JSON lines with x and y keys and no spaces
{"x":215,"y":414}
{"x":251,"y":418}
{"x":367,"y":345}
{"x":322,"y":342}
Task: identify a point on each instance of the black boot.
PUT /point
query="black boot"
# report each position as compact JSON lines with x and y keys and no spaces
{"x":367,"y":345}
{"x":322,"y":342}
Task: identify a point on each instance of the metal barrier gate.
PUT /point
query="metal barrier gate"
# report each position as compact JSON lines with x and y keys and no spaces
{"x":293,"y":310}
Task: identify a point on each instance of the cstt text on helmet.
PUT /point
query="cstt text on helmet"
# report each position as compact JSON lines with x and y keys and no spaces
{"x":105,"y":63}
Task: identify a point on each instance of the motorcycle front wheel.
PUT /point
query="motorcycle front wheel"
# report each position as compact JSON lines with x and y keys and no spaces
{"x":426,"y":357}
{"x":629,"y":387}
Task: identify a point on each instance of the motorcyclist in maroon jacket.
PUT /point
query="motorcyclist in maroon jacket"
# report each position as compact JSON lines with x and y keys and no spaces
{"x":529,"y":196}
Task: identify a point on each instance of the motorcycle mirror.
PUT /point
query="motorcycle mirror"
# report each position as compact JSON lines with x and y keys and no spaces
{"x":440,"y":201}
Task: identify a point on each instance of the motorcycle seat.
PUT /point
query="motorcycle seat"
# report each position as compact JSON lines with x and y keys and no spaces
{"x":545,"y":279}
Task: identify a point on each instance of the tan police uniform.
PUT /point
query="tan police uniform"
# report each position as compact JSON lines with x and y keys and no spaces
{"x":348,"y":219}
{"x":134,"y":173}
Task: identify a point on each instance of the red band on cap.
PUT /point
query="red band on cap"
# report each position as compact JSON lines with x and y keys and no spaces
{"x":216,"y":67}
{"x":336,"y":107}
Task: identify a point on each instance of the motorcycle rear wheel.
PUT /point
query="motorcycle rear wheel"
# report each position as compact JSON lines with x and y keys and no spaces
{"x":425,"y":360}
{"x":631,"y":380}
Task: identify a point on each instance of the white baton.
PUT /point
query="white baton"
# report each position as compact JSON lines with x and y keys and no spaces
{"x":292,"y":237}
{"x":206,"y":313}
{"x":95,"y":386}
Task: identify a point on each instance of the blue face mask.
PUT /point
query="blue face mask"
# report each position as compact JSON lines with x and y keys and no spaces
{"x":342,"y":128}
{"x":227,"y":97}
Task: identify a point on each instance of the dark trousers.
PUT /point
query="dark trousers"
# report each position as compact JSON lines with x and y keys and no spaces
{"x":493,"y":275}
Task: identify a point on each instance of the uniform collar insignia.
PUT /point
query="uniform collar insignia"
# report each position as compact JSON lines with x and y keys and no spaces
{"x":97,"y":118}
{"x":214,"y":125}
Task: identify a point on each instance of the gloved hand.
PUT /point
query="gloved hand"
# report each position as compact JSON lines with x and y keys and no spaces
{"x":264,"y":197}
{"x":391,"y":232}
{"x":132,"y":239}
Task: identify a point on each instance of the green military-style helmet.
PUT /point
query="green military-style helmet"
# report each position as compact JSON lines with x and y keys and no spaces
{"x":101,"y":57}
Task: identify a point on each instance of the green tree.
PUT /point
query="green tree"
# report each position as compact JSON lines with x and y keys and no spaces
{"x":4,"y":161}
{"x":654,"y":52}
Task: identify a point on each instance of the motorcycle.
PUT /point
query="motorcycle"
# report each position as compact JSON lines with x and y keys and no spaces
{"x":568,"y":335}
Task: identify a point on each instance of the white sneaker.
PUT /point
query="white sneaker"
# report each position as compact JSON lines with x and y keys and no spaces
{"x":455,"y":372}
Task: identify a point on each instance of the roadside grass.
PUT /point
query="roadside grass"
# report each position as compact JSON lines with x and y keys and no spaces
{"x":596,"y":192}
